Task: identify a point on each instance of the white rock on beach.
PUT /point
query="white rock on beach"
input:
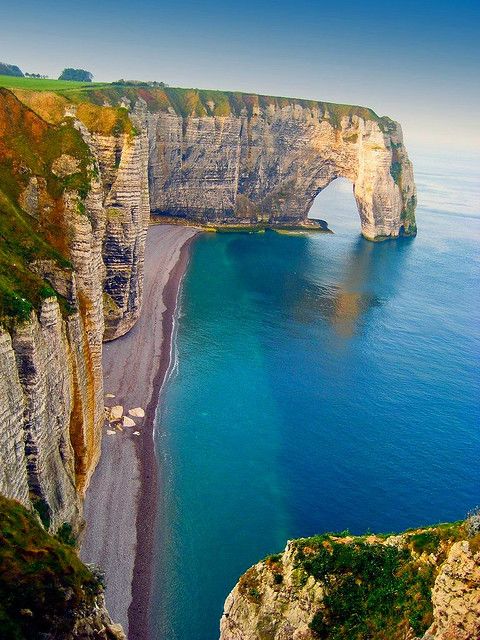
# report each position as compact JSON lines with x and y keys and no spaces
{"x":136,"y":433}
{"x":128,"y":422}
{"x":116,"y":412}
{"x":110,"y":432}
{"x":109,"y":395}
{"x":138,"y":412}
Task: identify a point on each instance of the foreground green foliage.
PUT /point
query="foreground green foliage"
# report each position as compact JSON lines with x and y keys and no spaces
{"x":375,"y":590}
{"x":42,"y":580}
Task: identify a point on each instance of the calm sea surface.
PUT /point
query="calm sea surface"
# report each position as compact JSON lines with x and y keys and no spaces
{"x":322,"y":383}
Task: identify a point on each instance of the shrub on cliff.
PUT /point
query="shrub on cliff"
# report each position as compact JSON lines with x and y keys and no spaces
{"x":473,"y":522}
{"x":79,"y":75}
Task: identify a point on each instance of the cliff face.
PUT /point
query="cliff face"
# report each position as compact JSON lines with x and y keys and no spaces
{"x":266,"y":164}
{"x":74,"y":213}
{"x":225,"y":157}
{"x":456,"y":594}
{"x":123,"y":164}
{"x":423,"y":583}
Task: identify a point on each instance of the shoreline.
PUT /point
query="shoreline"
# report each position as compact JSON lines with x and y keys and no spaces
{"x":138,"y":612}
{"x":121,"y":502}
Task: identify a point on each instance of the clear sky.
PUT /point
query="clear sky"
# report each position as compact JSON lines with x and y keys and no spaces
{"x":418,"y":62}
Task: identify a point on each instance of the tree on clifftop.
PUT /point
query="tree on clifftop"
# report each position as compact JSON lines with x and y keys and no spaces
{"x":80,"y":75}
{"x":10,"y":70}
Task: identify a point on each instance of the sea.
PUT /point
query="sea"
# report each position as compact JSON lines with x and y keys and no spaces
{"x":320,"y":382}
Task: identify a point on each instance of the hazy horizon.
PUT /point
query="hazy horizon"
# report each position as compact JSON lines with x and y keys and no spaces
{"x":416,"y":63}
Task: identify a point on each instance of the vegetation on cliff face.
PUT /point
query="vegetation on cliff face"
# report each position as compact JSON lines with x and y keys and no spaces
{"x":43,"y":583}
{"x":380,"y":587}
{"x":29,"y":147}
{"x":372,"y":589}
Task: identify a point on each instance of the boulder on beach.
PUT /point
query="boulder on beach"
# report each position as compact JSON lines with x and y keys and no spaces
{"x":136,"y":433}
{"x":110,"y":432}
{"x":109,"y":395}
{"x":116,"y":412}
{"x":138,"y":412}
{"x":128,"y":422}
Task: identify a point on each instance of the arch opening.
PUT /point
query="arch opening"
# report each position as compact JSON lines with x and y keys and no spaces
{"x":336,"y":206}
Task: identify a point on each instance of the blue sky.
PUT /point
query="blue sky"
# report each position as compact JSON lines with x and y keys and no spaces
{"x":418,"y":62}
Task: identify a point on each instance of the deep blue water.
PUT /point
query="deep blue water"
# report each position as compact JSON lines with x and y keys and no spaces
{"x":322,"y":383}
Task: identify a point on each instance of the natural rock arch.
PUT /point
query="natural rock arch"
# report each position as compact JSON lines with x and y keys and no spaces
{"x":267,"y":167}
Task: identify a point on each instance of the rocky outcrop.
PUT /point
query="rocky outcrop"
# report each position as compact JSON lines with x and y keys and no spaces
{"x":345,"y":587}
{"x":123,"y":163}
{"x":266,"y":164}
{"x":456,"y":594}
{"x":91,"y":622}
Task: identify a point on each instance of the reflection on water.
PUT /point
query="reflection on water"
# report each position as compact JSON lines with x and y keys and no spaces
{"x":370,"y":275}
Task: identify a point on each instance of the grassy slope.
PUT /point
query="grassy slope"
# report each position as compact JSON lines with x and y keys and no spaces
{"x":42,"y":580}
{"x":38,"y":84}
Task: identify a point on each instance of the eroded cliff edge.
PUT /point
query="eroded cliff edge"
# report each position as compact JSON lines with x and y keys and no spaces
{"x":424,"y":583}
{"x":263,"y":160}
{"x":220,"y":157}
{"x":227,"y":157}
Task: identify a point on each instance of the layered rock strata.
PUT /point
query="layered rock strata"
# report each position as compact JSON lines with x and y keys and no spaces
{"x":91,"y":206}
{"x":331,"y":587}
{"x":267,"y":166}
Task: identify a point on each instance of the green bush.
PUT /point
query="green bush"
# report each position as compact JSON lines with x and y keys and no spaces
{"x":78,"y":75}
{"x":10,"y":70}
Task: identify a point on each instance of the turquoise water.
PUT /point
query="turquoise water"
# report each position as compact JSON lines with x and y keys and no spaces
{"x":321,"y":383}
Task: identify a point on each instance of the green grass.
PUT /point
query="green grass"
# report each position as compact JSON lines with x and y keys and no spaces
{"x":42,"y":580}
{"x":38,"y":84}
{"x":185,"y":101}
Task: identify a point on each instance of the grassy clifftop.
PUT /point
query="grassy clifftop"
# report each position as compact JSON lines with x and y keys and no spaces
{"x":340,"y":586}
{"x":372,"y":586}
{"x":183,"y":101}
